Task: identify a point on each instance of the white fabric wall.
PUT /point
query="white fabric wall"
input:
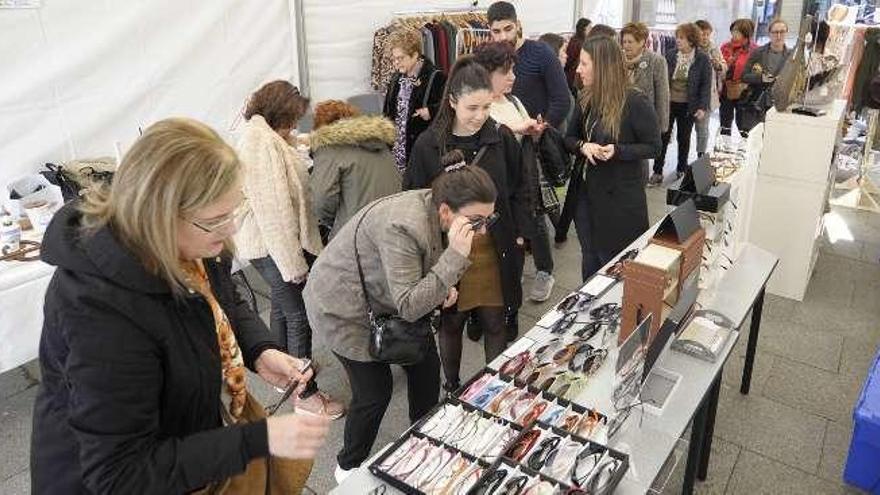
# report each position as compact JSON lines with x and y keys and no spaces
{"x":77,"y":77}
{"x":340,"y":35}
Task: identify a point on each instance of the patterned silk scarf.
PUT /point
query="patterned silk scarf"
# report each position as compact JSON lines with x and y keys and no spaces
{"x":233,"y":373}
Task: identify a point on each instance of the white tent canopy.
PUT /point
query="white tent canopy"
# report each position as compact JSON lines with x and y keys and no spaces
{"x":79,"y":78}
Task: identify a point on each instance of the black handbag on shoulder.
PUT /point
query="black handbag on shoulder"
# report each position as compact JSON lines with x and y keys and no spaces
{"x":393,"y":340}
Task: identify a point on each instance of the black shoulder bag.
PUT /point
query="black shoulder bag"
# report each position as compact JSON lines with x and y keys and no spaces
{"x":393,"y":340}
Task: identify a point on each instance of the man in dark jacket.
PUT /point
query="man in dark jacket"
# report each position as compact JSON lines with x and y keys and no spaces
{"x":762,"y":68}
{"x":540,"y":80}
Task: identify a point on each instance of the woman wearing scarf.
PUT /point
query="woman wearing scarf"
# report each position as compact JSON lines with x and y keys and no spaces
{"x":646,"y":71}
{"x":690,"y":80}
{"x":736,"y":54}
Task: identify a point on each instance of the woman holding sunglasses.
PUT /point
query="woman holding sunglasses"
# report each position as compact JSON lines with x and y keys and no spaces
{"x":491,"y":287}
{"x":279,"y":234}
{"x":145,"y":339}
{"x":407,"y":271}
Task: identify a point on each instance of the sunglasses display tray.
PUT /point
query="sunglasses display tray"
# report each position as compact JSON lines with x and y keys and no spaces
{"x":447,"y":451}
{"x":543,"y":406}
{"x":550,"y":460}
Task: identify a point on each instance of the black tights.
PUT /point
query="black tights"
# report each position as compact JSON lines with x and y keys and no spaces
{"x":452,"y":324}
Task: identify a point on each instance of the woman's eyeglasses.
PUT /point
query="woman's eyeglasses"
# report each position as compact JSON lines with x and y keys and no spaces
{"x":478,"y":221}
{"x":236,"y":218}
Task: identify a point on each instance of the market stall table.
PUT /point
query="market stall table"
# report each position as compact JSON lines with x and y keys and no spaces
{"x":651,"y":438}
{"x":22,"y":289}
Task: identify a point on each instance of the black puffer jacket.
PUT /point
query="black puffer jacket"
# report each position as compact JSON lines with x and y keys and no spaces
{"x":130,"y":398}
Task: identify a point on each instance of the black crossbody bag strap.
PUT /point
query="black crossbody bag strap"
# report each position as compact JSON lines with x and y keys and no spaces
{"x":370,"y":313}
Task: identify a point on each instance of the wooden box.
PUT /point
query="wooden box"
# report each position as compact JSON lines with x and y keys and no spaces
{"x":650,"y":286}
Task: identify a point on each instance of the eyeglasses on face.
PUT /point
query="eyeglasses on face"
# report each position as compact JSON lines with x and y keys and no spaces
{"x":236,"y":218}
{"x":478,"y":221}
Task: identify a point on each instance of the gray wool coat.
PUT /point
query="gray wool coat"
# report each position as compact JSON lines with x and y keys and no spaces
{"x":652,"y":79}
{"x":407,"y":272}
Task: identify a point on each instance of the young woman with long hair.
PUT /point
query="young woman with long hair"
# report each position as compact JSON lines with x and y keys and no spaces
{"x":613,"y":133}
{"x":491,"y":287}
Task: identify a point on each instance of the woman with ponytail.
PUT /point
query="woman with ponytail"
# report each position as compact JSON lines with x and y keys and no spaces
{"x":490,"y":289}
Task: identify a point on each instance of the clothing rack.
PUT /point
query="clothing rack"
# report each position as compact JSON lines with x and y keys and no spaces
{"x":446,"y":33}
{"x":430,"y":12}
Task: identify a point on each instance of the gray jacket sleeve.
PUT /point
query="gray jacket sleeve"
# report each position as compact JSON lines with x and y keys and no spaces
{"x":415,"y":296}
{"x":661,"y":92}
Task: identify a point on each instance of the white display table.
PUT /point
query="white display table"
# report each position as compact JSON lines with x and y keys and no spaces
{"x":22,"y":289}
{"x":794,"y":181}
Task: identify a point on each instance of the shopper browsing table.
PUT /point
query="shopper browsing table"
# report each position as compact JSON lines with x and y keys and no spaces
{"x":736,"y":54}
{"x":690,"y":80}
{"x":616,"y":133}
{"x":414,"y":93}
{"x":145,"y":338}
{"x":353,"y":165}
{"x":762,"y":68}
{"x":407,"y":271}
{"x":279,"y":234}
{"x":646,"y":70}
{"x":491,"y":287}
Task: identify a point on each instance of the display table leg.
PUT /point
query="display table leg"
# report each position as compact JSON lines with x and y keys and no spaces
{"x":698,"y":430}
{"x":752,"y":348}
{"x":709,"y":434}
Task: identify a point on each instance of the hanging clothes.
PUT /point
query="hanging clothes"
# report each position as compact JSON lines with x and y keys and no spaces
{"x":445,"y":36}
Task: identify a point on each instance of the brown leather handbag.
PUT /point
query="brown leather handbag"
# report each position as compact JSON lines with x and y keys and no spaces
{"x":734,"y":90}
{"x":270,"y":475}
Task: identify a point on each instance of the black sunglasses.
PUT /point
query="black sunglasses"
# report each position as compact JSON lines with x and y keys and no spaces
{"x":477,"y":222}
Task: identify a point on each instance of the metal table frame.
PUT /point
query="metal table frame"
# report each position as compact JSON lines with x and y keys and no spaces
{"x":741,"y":290}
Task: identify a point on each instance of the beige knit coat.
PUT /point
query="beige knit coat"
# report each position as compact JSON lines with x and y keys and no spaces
{"x":280,"y":223}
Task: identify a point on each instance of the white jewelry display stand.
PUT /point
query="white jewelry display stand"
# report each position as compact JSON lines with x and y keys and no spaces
{"x":794,"y":180}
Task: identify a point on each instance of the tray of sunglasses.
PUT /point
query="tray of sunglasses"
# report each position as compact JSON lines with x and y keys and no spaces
{"x":547,"y":459}
{"x":523,"y":405}
{"x":419,"y":465}
{"x":561,"y":366}
{"x":449,"y":447}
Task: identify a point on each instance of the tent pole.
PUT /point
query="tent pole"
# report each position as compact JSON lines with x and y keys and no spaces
{"x":302,"y":49}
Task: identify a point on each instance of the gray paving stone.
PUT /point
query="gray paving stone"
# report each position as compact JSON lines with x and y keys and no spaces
{"x":733,"y":371}
{"x":770,"y":428}
{"x":870,"y":252}
{"x":15,"y":432}
{"x":17,"y":484}
{"x":847,"y":249}
{"x":858,"y":354}
{"x":32,"y":370}
{"x":834,"y":451}
{"x":721,"y":464}
{"x":823,"y":393}
{"x":799,"y":342}
{"x":13,"y":382}
{"x":777,"y":307}
{"x":756,"y":474}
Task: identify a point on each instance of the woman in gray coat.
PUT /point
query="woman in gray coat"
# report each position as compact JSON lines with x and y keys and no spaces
{"x":353,"y":162}
{"x":407,"y":272}
{"x":646,"y":70}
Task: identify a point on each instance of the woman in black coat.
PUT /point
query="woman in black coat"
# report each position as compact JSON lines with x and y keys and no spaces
{"x":464,"y":124}
{"x":614,"y":133}
{"x":145,"y":340}
{"x":414,"y":93}
{"x":690,"y":84}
